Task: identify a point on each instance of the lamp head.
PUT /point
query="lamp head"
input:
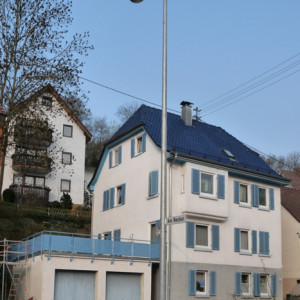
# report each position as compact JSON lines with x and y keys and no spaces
{"x":136,"y":1}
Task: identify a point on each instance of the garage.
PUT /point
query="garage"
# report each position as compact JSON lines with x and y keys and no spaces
{"x":123,"y":286}
{"x":74,"y":285}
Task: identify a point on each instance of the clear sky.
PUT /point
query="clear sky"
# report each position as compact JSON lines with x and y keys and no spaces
{"x":213,"y":47}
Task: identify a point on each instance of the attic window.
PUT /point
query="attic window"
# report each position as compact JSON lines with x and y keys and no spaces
{"x":47,"y":101}
{"x":229,"y":154}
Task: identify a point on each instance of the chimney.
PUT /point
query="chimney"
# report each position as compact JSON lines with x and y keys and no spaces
{"x":186,"y":113}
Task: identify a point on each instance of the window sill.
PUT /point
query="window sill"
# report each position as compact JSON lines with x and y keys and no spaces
{"x":247,"y":297}
{"x":245,"y":205}
{"x":205,"y":196}
{"x":245,"y":253}
{"x":138,"y":154}
{"x":203,"y":249}
{"x":152,"y":197}
{"x":264,"y":255}
{"x":265,"y":297}
{"x":263,"y":208}
{"x":202,"y":296}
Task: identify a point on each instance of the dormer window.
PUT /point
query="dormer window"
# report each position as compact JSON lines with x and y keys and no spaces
{"x":47,"y":101}
{"x":229,"y":154}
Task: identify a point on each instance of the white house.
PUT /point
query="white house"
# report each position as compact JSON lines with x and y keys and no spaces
{"x":230,"y":245}
{"x":46,"y":157}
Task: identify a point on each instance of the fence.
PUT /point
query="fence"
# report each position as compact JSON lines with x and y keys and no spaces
{"x":71,"y":244}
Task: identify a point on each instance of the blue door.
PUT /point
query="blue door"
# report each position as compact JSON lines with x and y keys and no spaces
{"x":123,"y":286}
{"x":74,"y":285}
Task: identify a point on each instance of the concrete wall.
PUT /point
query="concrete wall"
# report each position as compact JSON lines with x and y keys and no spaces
{"x":58,"y":117}
{"x":290,"y":251}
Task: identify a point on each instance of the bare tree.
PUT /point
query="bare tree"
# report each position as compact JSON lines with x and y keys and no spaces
{"x":290,"y":162}
{"x":34,"y":53}
{"x":125,"y":111}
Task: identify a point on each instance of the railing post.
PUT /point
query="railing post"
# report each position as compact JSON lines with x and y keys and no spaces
{"x":150,"y":248}
{"x":49,"y":251}
{"x":132,"y":252}
{"x":32,"y":250}
{"x":72,"y":248}
{"x":93,"y":250}
{"x":42,"y":246}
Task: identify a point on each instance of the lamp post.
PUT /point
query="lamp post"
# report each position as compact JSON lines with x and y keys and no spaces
{"x":163,"y":190}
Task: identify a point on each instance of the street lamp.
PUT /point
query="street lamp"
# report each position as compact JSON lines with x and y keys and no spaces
{"x":163,"y":190}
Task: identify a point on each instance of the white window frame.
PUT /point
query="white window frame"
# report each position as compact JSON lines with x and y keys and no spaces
{"x":214,"y":184}
{"x":242,"y":203}
{"x":61,"y":185}
{"x":267,"y":197}
{"x":248,"y":293}
{"x":154,"y":232}
{"x":139,"y":144}
{"x":118,"y":195}
{"x":106,"y":236}
{"x":249,"y":241}
{"x":67,"y":126}
{"x":69,"y":162}
{"x":203,"y":247}
{"x":268,"y":283}
{"x":206,"y":285}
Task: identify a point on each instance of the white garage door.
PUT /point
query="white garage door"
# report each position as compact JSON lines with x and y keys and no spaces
{"x":74,"y":285}
{"x":123,"y":286}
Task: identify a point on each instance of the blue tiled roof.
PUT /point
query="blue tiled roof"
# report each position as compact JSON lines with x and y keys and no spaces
{"x":200,"y":141}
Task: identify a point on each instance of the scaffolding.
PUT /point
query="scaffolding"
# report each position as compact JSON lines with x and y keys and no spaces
{"x":13,"y":271}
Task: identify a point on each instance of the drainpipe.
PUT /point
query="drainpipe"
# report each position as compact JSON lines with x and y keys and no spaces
{"x":170,"y":229}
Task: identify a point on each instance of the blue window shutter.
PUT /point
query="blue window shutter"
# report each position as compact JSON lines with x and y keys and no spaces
{"x":144,"y":142}
{"x":190,"y":234}
{"x":262,"y":243}
{"x":99,"y":236}
{"x":273,"y":285}
{"x":215,"y":231}
{"x":111,"y":197}
{"x":117,"y":235}
{"x":221,"y":186}
{"x":192,"y":282}
{"x":238,"y":283}
{"x":106,"y":200}
{"x":272,"y":200}
{"x":237,"y":240}
{"x":120,"y":154}
{"x":254,"y":195}
{"x":195,"y":181}
{"x":132,"y":148}
{"x":256,"y":283}
{"x":123,"y":193}
{"x":236,"y":192}
{"x":212,"y":283}
{"x":267,"y":247}
{"x":110,"y":159}
{"x":254,"y":241}
{"x":153,"y":183}
{"x":109,"y":235}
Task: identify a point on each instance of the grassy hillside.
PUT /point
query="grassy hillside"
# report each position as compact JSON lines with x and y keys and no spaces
{"x":18,"y":222}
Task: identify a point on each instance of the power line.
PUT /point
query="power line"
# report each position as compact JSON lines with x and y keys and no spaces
{"x":125,"y":94}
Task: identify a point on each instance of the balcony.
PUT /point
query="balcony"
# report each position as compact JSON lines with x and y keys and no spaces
{"x":27,"y":194}
{"x":34,"y":164}
{"x":39,"y":135}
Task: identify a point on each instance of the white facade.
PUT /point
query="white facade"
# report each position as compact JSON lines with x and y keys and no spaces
{"x":66,"y":150}
{"x":227,"y":265}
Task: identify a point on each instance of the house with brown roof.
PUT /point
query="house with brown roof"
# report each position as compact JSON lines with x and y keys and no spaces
{"x":290,"y":218}
{"x":46,"y":156}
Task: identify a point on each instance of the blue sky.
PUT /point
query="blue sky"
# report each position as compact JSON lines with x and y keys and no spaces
{"x":213,"y":47}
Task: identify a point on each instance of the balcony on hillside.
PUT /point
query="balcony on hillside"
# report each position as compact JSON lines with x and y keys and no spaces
{"x":37,"y":135}
{"x":27,"y":194}
{"x":33,"y":164}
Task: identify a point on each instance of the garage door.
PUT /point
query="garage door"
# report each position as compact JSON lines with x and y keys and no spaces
{"x":74,"y":285}
{"x":123,"y":286}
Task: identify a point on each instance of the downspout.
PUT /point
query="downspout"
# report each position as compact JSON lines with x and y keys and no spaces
{"x":170,"y":227}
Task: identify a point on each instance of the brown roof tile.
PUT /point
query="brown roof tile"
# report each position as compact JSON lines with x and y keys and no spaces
{"x":294,"y":177}
{"x":290,"y":200}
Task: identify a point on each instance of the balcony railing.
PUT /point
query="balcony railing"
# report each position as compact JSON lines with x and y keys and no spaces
{"x":38,"y":136}
{"x":71,"y":244}
{"x":31,"y":163}
{"x":27,"y":194}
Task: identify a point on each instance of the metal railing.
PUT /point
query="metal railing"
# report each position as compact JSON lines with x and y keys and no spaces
{"x":51,"y":243}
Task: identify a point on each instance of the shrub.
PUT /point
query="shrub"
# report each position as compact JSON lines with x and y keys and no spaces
{"x":66,"y":201}
{"x":55,"y":204}
{"x":9,"y":196}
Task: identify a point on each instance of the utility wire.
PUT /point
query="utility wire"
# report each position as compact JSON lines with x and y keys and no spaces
{"x":254,"y":78}
{"x":125,"y":94}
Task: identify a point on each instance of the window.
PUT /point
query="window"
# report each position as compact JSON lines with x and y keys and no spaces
{"x":119,"y":196}
{"x":47,"y":101}
{"x":114,"y":197}
{"x":207,"y":183}
{"x":244,"y":240}
{"x":153,"y":184}
{"x":115,"y":157}
{"x":262,"y":197}
{"x":65,"y":185}
{"x":245,"y":284}
{"x":29,"y":180}
{"x":107,"y":235}
{"x":155,"y":231}
{"x":229,"y":154}
{"x":264,"y":285}
{"x":202,"y":283}
{"x":18,"y":180}
{"x":243,"y":193}
{"x":68,"y":131}
{"x":202,"y":236}
{"x":67,"y":158}
{"x":138,"y":145}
